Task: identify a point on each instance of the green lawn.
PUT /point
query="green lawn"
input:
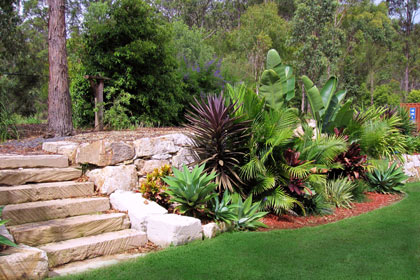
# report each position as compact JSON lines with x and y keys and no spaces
{"x":383,"y":244}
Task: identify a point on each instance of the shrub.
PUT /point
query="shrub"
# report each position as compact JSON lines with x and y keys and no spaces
{"x":155,"y":188}
{"x":352,"y":164}
{"x":339,"y":192}
{"x":387,"y":179}
{"x":219,"y":139}
{"x":192,"y":191}
{"x":3,"y":240}
{"x":8,"y":128}
{"x":413,"y":144}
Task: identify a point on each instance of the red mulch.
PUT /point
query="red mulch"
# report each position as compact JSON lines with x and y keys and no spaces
{"x":374,"y":201}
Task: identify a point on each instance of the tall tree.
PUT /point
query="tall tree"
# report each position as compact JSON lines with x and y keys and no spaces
{"x":406,"y":11}
{"x":317,"y":34}
{"x":59,"y":103}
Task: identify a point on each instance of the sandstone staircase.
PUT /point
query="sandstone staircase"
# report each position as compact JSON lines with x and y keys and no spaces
{"x":48,"y":209}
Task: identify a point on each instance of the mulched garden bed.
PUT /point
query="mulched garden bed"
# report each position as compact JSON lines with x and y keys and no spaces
{"x":373,"y":201}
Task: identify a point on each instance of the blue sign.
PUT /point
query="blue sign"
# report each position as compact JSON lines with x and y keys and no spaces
{"x":413,"y":114}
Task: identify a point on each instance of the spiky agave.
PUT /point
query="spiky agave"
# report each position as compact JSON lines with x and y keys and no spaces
{"x":219,"y":139}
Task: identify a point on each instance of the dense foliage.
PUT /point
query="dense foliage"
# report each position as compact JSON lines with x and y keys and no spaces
{"x":129,"y":43}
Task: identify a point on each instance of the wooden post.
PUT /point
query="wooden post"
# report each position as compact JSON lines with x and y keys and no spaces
{"x":97,"y":84}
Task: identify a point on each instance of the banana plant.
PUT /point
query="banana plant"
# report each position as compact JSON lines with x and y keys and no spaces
{"x":326,"y":105}
{"x":277,"y":81}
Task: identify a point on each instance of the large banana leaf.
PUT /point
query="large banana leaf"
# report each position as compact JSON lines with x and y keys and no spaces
{"x":277,"y":82}
{"x":327,"y":92}
{"x":314,"y":98}
{"x":271,"y":88}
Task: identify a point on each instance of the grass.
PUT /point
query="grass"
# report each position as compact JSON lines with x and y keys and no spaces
{"x":382,"y":244}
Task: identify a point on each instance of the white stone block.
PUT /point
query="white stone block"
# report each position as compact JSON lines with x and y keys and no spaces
{"x":171,"y":229}
{"x":138,"y":208}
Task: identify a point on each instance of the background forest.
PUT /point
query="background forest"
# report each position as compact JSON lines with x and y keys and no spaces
{"x":160,"y":54}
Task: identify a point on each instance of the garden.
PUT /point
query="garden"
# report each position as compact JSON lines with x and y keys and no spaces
{"x":289,"y":133}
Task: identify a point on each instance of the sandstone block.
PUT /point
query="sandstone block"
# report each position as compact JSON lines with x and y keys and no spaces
{"x":147,"y":166}
{"x":38,"y":175}
{"x":35,"y":234}
{"x":210,"y":230}
{"x":23,"y":262}
{"x":138,"y":208}
{"x":162,"y":156}
{"x":171,"y":229}
{"x":44,"y":191}
{"x":93,"y":246}
{"x":53,"y":209}
{"x":178,"y":139}
{"x":111,"y":178}
{"x":33,"y":161}
{"x":184,"y":156}
{"x":102,"y":153}
{"x":147,"y":147}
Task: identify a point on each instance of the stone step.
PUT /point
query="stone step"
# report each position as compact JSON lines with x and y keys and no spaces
{"x":35,"y":234}
{"x":37,"y":175}
{"x":32,"y":161}
{"x":93,"y":246}
{"x":53,"y":209}
{"x":45,"y":191}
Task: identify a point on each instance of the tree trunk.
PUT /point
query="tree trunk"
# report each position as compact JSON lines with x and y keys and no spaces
{"x":371,"y":88}
{"x":302,"y":106}
{"x":59,"y":102}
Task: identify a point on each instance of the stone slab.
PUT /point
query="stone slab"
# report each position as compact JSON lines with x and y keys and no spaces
{"x":44,"y":191}
{"x":53,"y":209}
{"x":39,"y":233}
{"x":66,"y":148}
{"x":93,"y":246}
{"x":112,"y":178}
{"x":23,"y":262}
{"x":33,"y":161}
{"x":37,"y":175}
{"x":95,"y":263}
{"x":171,"y":229}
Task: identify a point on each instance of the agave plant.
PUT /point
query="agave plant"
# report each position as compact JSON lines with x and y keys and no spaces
{"x":247,"y":214}
{"x":192,"y":191}
{"x":339,"y":192}
{"x":219,"y":139}
{"x":223,"y":210}
{"x":4,"y":240}
{"x":325,"y":105}
{"x":386,"y":179}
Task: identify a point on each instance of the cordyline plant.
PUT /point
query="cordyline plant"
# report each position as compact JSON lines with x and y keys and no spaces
{"x":219,"y":139}
{"x":353,"y":164}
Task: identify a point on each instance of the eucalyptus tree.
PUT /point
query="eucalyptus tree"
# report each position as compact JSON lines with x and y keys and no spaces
{"x":406,"y":11}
